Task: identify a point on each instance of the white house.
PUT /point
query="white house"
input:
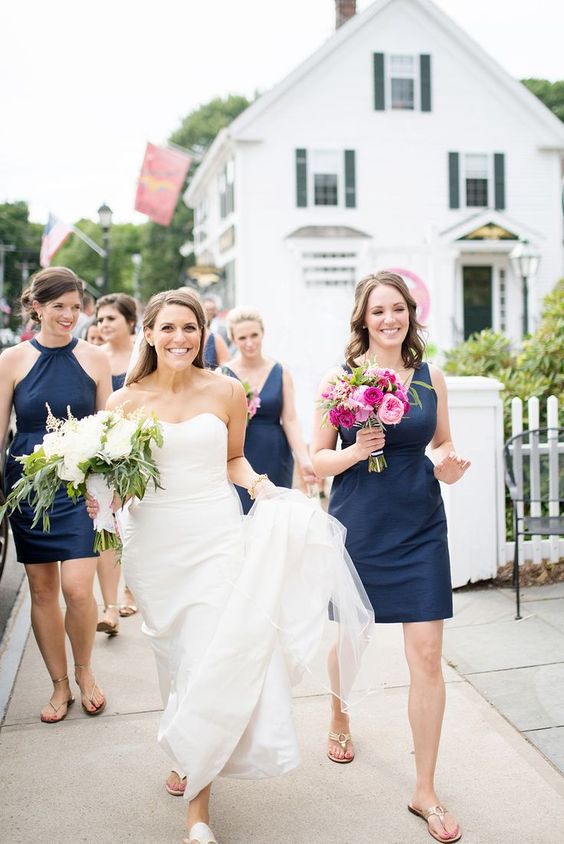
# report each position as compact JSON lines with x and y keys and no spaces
{"x":399,"y":144}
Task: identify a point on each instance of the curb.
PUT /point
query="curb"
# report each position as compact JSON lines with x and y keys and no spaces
{"x":13,"y":645}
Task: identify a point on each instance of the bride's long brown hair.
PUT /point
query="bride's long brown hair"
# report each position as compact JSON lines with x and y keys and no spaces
{"x":412,"y":348}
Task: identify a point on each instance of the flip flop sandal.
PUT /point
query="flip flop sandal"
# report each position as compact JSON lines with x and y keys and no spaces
{"x":55,"y":709}
{"x":90,"y":697}
{"x":342,"y":739}
{"x":440,"y":812}
{"x":201,"y":833}
{"x":179,"y":789}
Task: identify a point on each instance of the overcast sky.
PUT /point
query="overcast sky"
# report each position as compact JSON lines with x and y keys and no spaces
{"x":85,"y":85}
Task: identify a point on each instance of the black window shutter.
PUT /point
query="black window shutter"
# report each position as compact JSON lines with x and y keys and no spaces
{"x":301,"y":178}
{"x":350,"y":178}
{"x":425,"y":79}
{"x":453,"y":180}
{"x":379,"y":82}
{"x":499,"y":180}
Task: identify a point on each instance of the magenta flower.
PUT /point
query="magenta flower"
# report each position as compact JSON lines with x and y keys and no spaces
{"x":373,"y":396}
{"x":348,"y":418}
{"x":391,"y":410}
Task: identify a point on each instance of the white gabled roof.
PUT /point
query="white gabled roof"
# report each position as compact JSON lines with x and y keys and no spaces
{"x":238,"y":129}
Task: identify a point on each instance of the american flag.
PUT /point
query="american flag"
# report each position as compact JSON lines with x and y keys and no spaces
{"x":54,"y":235}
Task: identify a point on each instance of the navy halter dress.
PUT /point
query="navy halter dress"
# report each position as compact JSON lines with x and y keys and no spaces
{"x":210,"y":352}
{"x":395,"y":520}
{"x":58,"y":379}
{"x":118,"y":381}
{"x":266,"y":446}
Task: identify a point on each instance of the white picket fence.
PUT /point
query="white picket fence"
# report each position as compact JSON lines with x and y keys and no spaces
{"x":537,"y":549}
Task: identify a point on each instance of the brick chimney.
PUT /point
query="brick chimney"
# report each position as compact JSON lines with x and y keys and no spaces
{"x":344,"y":9}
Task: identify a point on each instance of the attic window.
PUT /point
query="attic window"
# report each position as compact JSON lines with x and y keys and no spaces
{"x":403,"y":71}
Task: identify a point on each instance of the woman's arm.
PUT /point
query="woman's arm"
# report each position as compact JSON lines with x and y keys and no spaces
{"x":449,"y":467}
{"x":293,"y":431}
{"x":239,"y":469}
{"x":7,"y":366}
{"x":326,"y":460}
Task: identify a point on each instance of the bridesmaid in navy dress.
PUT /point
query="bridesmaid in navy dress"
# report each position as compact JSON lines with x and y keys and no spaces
{"x":274,"y":431}
{"x":116,"y":317}
{"x":60,"y":370}
{"x":395,"y":521}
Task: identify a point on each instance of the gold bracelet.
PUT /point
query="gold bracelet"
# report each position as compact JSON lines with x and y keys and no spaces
{"x":255,"y":483}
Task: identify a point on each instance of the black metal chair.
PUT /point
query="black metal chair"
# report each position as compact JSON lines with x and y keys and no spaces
{"x":534,"y":476}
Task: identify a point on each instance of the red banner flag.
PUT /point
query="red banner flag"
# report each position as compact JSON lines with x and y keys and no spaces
{"x":160,"y":181}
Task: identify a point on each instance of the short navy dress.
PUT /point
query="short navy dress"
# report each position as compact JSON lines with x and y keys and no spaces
{"x":395,"y":520}
{"x":57,"y":379}
{"x":266,"y":446}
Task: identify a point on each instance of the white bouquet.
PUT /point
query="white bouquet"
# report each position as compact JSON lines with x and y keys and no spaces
{"x":104,"y":454}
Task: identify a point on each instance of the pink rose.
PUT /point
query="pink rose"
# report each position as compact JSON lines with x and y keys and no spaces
{"x":348,"y":418}
{"x":391,"y":410}
{"x":334,"y":417}
{"x":373,"y":396}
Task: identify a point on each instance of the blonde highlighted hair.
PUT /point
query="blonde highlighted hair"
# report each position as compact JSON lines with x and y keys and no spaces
{"x":242,"y":314}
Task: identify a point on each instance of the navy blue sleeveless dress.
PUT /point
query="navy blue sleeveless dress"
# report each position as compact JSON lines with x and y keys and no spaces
{"x":210,"y":352}
{"x":266,"y":446}
{"x":58,"y":379}
{"x":395,"y":520}
{"x":118,"y":381}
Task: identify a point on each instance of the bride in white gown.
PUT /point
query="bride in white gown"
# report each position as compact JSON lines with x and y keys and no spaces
{"x":234,"y":608}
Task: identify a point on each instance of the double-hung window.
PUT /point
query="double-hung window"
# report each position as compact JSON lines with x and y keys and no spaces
{"x":403,"y":82}
{"x":476,"y":177}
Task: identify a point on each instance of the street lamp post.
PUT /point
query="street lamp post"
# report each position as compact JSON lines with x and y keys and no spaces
{"x":105,"y":220}
{"x":525,"y":260}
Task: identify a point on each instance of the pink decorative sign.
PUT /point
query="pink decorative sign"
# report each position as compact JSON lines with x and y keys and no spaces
{"x":418,"y":290}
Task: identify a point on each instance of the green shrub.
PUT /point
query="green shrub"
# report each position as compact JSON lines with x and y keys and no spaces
{"x":535,"y":370}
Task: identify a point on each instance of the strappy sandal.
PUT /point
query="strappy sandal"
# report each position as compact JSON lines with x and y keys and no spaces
{"x":201,"y":833}
{"x":440,"y":812}
{"x":179,"y":788}
{"x":55,"y":709}
{"x":107,"y":626}
{"x":342,"y":739}
{"x":126,"y":610}
{"x":97,"y":709}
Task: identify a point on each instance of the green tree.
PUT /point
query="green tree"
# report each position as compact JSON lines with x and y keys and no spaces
{"x":162,"y":264}
{"x":125,"y":240}
{"x":550,"y":93}
{"x":17,"y":231}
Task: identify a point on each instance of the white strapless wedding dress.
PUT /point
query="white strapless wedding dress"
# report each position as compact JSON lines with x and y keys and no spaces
{"x":234,"y":607}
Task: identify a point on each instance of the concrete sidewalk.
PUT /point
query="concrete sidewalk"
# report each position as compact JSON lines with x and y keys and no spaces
{"x":100,"y":780}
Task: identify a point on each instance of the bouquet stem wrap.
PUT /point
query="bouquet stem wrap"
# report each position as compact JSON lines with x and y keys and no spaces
{"x":376,"y":461}
{"x":105,"y":525}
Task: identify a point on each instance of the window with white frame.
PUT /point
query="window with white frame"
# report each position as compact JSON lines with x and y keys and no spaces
{"x":402,"y":71}
{"x":226,"y":189}
{"x":200,"y":221}
{"x":327,"y":177}
{"x":329,"y":269}
{"x":476,"y":178}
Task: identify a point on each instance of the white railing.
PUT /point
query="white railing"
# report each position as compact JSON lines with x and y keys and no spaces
{"x":537,"y":549}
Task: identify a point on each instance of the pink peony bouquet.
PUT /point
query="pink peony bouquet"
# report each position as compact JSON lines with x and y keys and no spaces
{"x":369,"y":396}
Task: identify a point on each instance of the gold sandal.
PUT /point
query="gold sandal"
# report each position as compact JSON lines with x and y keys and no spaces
{"x":440,"y":812}
{"x":107,"y":626}
{"x":342,"y":739}
{"x":97,"y":709}
{"x":55,"y":709}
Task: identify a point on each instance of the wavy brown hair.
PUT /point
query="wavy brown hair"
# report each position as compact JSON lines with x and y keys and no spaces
{"x":186,"y":298}
{"x":47,"y":285}
{"x":412,"y":348}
